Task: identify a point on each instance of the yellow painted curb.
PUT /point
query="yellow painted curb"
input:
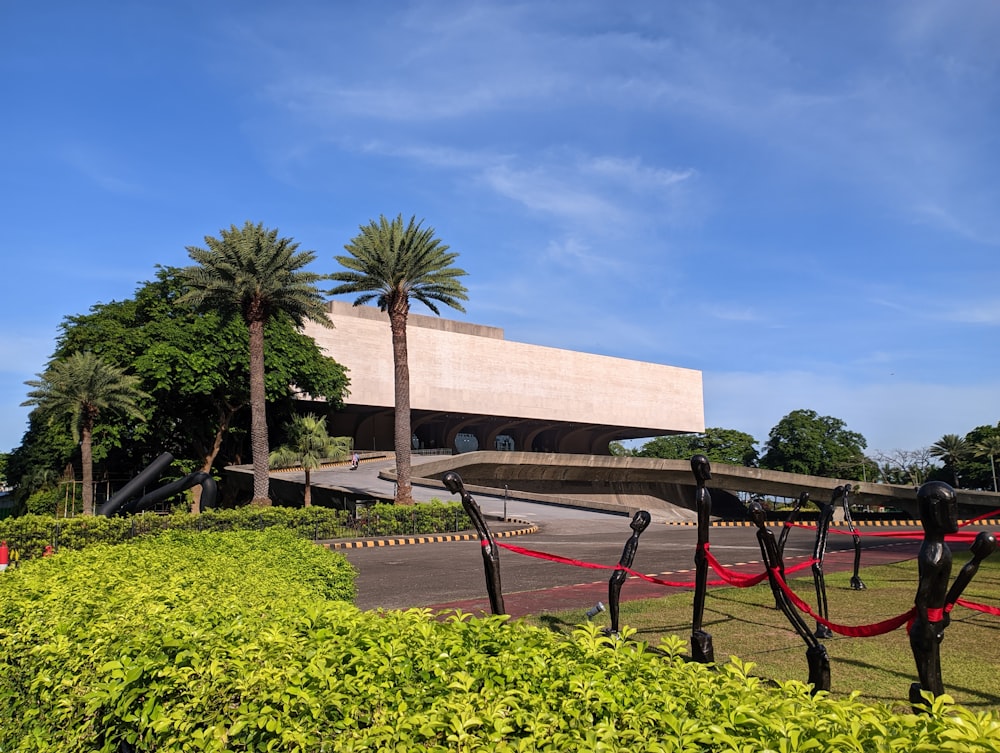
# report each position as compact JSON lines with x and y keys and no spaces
{"x":432,"y":539}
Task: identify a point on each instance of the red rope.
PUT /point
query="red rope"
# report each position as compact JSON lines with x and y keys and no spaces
{"x":976,"y":519}
{"x":729,"y":577}
{"x":979,"y":607}
{"x":961,"y":537}
{"x":855,"y":631}
{"x":742,"y":580}
{"x":553,"y":557}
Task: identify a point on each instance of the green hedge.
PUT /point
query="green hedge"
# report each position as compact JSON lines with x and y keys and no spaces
{"x":30,"y":534}
{"x":235,"y":642}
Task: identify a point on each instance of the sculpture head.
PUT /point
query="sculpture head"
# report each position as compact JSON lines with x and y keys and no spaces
{"x":984,"y":545}
{"x":453,"y":482}
{"x":701,"y":468}
{"x":640,"y":521}
{"x":938,"y":507}
{"x":758,"y":514}
{"x":838,"y":493}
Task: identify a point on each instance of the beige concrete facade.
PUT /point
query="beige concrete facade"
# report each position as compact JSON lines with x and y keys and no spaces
{"x":467,"y":381}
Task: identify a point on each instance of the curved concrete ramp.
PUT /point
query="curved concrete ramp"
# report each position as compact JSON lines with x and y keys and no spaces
{"x":626,"y":484}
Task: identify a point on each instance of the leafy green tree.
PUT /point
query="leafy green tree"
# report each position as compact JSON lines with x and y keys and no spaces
{"x":977,"y":468}
{"x":390,"y":263}
{"x":4,"y":459}
{"x":990,"y":448}
{"x":252,"y":272}
{"x":308,"y":446}
{"x":80,"y":388}
{"x":727,"y":446}
{"x":617,"y":449}
{"x":45,"y":451}
{"x":195,"y":369}
{"x":952,"y":450}
{"x":805,"y":442}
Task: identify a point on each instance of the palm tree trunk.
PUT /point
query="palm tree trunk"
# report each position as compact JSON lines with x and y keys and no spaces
{"x":307,"y":495}
{"x":258,"y":415}
{"x":401,"y":377}
{"x":87,"y":460}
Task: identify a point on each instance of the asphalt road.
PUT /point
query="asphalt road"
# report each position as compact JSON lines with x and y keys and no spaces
{"x":450,"y":574}
{"x":442,"y":574}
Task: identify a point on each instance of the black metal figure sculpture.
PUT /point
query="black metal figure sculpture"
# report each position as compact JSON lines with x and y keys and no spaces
{"x":126,"y":501}
{"x":790,"y":521}
{"x":783,"y":537}
{"x":640,"y":522}
{"x":701,"y":642}
{"x":816,"y":656}
{"x":491,"y":553}
{"x":856,"y":583}
{"x":819,"y":553}
{"x":939,"y":517}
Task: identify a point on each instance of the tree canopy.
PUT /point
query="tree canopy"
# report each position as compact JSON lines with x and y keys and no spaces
{"x":77,"y":390}
{"x":979,"y":463}
{"x":718,"y":445}
{"x":194,"y":368}
{"x":253,"y":272}
{"x":952,"y":450}
{"x":308,"y":446}
{"x":805,"y":442}
{"x":392,"y":263}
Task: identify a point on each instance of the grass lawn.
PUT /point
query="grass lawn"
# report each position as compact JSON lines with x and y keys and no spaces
{"x":744,"y":622}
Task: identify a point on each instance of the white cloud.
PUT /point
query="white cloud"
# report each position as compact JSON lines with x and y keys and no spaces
{"x":101,"y":167}
{"x":544,"y":191}
{"x":732,"y":313}
{"x":976,"y":312}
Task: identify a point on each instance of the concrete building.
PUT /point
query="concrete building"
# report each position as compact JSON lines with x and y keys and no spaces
{"x":470,"y":389}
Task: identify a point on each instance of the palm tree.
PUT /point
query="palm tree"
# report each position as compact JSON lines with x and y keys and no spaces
{"x":251,"y":272}
{"x":952,"y":449}
{"x":990,"y":447}
{"x":81,"y":387}
{"x":391,"y":263}
{"x":309,"y":446}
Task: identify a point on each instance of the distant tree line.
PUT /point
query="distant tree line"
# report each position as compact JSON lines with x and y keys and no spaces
{"x":805,"y":442}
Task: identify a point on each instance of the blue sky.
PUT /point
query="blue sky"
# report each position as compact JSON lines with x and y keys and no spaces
{"x":799,"y":199}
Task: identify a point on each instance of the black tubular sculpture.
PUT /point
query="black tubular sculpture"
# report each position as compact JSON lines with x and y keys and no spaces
{"x":491,"y":553}
{"x":640,"y":522}
{"x":147,"y":476}
{"x":125,"y":500}
{"x":816,"y":656}
{"x":939,"y":517}
{"x":209,"y":492}
{"x":701,"y":642}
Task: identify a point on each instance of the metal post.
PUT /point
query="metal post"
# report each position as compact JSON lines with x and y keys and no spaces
{"x":505,"y":492}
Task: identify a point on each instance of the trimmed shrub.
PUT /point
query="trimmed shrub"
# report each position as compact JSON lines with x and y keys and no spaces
{"x":30,"y":534}
{"x":234,"y":642}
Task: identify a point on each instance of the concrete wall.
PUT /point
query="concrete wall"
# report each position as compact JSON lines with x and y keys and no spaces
{"x":470,"y":369}
{"x":668,"y":480}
